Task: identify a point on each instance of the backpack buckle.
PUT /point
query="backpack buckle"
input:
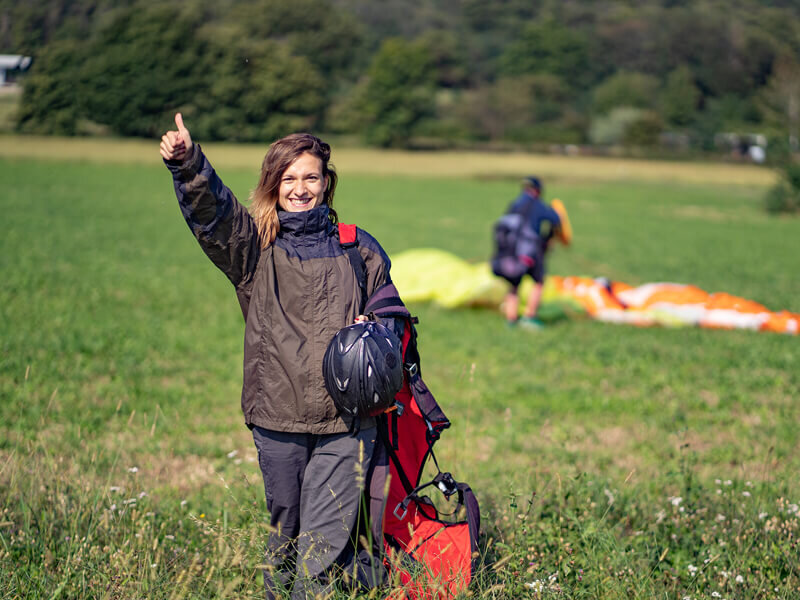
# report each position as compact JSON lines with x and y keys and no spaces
{"x":446,"y":484}
{"x":404,"y":506}
{"x":411,"y":368}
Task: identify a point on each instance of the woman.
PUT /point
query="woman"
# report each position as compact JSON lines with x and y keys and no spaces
{"x":297,"y":288}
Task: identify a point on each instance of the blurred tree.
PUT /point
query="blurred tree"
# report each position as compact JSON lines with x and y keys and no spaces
{"x":625,"y":89}
{"x":140,"y":68}
{"x":51,"y":101}
{"x":448,"y":57}
{"x":528,"y":108}
{"x":310,"y":61}
{"x":780,"y":99}
{"x":680,"y":97}
{"x":399,"y":92}
{"x":629,"y":41}
{"x":615,"y":127}
{"x":329,"y":38}
{"x":644,"y":130}
{"x":254,"y":91}
{"x":548,"y":47}
{"x":27,"y":26}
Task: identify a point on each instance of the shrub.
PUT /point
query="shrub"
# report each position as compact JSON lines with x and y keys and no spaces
{"x":784,"y":197}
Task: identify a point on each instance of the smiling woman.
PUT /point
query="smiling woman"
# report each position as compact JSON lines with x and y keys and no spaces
{"x":296,"y":176}
{"x":297,"y":288}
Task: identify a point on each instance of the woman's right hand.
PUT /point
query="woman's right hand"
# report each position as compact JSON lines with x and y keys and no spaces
{"x":176,"y":145}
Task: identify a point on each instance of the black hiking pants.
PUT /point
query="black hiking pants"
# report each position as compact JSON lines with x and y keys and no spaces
{"x":313,"y":484}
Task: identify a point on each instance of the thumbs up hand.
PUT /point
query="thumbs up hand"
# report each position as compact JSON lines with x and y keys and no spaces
{"x":176,"y":145}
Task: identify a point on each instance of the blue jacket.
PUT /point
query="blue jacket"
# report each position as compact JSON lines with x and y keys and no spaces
{"x":540,"y":213}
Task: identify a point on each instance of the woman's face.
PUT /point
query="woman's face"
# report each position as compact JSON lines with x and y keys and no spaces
{"x":302,"y":184}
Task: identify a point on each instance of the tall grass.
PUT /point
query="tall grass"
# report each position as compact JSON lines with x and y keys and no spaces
{"x":610,"y":461}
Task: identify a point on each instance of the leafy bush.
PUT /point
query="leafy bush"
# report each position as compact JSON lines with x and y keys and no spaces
{"x":784,"y":197}
{"x":625,"y":89}
{"x":781,"y":199}
{"x":50,"y":99}
{"x":399,"y":92}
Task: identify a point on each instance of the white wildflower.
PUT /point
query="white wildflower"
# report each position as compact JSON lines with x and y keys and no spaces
{"x":133,"y":469}
{"x":184,"y":502}
{"x":232,"y":453}
{"x":537,"y":586}
{"x":716,"y":595}
{"x":746,"y":494}
{"x":739,"y":579}
{"x":142,"y":495}
{"x":692,"y":570}
{"x":762,"y":516}
{"x":676,"y":500}
{"x":720,"y":518}
{"x":114,"y":488}
{"x":728,"y":482}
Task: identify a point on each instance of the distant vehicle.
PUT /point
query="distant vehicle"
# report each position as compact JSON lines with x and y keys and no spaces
{"x":12,"y":62}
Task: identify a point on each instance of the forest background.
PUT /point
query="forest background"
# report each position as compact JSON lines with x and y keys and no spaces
{"x":661,"y":76}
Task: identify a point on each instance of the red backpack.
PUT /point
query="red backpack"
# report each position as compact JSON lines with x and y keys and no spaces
{"x":429,"y":555}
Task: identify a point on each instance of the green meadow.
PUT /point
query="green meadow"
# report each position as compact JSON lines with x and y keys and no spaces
{"x":610,"y":461}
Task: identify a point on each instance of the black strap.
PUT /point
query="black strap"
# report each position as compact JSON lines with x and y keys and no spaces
{"x":360,"y":269}
{"x":383,"y":433}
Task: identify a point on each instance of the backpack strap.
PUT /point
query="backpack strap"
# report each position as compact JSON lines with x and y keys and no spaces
{"x":348,"y":239}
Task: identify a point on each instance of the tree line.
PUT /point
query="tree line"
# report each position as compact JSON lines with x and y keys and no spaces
{"x":405,"y":73}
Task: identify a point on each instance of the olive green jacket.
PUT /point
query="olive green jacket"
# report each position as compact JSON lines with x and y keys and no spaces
{"x":295,"y":294}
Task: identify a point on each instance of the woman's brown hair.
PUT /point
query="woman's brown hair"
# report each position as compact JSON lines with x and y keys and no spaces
{"x":281,"y":154}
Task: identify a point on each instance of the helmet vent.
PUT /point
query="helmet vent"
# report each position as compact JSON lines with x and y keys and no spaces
{"x":363,"y":369}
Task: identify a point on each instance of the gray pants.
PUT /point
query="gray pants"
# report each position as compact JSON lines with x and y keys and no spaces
{"x":313,"y":485}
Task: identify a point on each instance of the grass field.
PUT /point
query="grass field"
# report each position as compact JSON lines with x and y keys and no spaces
{"x":610,"y":461}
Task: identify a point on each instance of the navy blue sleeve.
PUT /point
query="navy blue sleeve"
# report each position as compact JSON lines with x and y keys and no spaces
{"x":223,"y":227}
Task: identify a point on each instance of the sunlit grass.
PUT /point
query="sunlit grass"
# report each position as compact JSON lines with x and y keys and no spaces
{"x":594,"y":449}
{"x":348,"y":160}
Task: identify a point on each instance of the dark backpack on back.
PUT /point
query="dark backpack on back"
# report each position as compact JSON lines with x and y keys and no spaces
{"x":516,"y":245}
{"x":430,"y":554}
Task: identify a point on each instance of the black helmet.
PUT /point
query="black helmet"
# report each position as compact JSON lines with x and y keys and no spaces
{"x":363,"y":369}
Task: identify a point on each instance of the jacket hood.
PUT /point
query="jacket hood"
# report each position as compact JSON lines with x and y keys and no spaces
{"x":306,"y":222}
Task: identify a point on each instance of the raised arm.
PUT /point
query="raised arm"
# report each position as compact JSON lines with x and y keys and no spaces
{"x":222,"y":226}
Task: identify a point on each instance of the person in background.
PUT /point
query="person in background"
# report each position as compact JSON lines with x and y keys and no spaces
{"x":543,"y":221}
{"x":296,"y":288}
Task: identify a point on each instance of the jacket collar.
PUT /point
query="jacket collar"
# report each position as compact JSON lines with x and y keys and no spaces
{"x":306,"y":222}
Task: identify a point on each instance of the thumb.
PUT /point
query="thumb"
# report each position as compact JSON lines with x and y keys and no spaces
{"x":184,"y":133}
{"x":179,"y":121}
